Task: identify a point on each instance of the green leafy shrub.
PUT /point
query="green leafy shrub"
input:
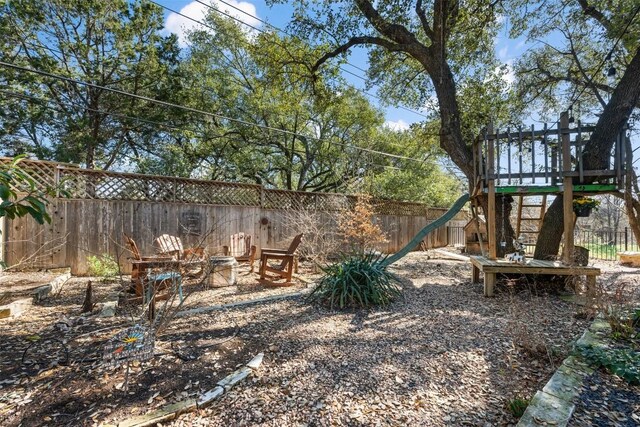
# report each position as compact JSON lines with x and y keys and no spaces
{"x":356,"y":281}
{"x":621,"y":361}
{"x":104,"y":266}
{"x":20,"y":195}
{"x":517,"y":406}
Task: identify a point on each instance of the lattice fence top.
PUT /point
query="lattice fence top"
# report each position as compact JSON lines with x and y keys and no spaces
{"x":101,"y":185}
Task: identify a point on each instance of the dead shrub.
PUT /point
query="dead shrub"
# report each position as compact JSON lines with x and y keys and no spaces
{"x":358,"y":227}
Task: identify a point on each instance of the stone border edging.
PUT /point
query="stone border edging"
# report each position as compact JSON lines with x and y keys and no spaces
{"x":554,"y":405}
{"x":55,"y":285}
{"x":170,"y":412}
{"x":19,"y":306}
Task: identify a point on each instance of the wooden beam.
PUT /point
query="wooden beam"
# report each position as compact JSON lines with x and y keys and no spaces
{"x":567,"y":201}
{"x":551,"y":189}
{"x":491,"y":214}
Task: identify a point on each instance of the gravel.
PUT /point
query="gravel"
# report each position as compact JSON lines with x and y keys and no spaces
{"x":444,"y":355}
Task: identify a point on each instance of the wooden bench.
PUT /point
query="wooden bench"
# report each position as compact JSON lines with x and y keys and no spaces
{"x":491,"y":268}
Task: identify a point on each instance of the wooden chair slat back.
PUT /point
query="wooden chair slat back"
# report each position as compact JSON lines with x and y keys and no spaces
{"x":168,"y":243}
{"x":295,"y":243}
{"x":133,"y":247}
{"x":240,"y":245}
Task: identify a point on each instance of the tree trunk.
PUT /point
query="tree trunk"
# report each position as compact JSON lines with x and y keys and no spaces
{"x":632,"y":195}
{"x":596,"y":153}
{"x":550,"y":235}
{"x":451,"y":140}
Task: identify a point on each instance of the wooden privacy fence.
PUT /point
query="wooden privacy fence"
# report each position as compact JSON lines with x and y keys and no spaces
{"x":101,"y":206}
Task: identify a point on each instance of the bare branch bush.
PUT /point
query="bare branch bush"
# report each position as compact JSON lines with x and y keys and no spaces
{"x":42,"y":254}
{"x":322,"y":240}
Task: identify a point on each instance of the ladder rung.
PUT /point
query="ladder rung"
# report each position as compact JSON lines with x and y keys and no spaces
{"x":532,"y":206}
{"x":530,"y":219}
{"x":529,"y":232}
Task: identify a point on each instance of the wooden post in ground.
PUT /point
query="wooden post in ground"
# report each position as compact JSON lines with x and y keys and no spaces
{"x":489,"y":284}
{"x":491,"y":214}
{"x":567,"y":184}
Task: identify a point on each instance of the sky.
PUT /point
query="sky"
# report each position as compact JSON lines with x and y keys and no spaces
{"x":279,"y":15}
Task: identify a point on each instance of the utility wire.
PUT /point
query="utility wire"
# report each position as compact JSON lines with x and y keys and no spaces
{"x":283,"y":32}
{"x":195,"y":110}
{"x":262,"y":21}
{"x":46,"y":103}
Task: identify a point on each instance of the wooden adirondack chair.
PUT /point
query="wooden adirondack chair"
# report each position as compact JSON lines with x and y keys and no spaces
{"x":151,"y":274}
{"x":241,"y":249}
{"x":192,"y":260}
{"x":270,"y":274}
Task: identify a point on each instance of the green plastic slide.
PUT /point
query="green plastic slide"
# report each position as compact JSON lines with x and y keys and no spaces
{"x":426,"y":230}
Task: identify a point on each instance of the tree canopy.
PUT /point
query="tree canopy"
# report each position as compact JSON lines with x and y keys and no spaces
{"x":253,"y":109}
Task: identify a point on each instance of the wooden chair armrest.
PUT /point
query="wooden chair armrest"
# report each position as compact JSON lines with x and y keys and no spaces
{"x":275,"y":251}
{"x":157,"y":263}
{"x":276,"y":256}
{"x":156,"y":258}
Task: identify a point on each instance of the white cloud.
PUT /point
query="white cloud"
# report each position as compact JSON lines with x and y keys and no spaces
{"x":181,"y":26}
{"x":506,"y":72}
{"x":502,"y":53}
{"x":510,"y":75}
{"x":397,"y":125}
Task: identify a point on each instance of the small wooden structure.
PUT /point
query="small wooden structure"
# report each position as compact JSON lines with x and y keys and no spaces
{"x":241,"y":249}
{"x":151,"y":274}
{"x":530,"y":162}
{"x":270,"y":274}
{"x":475,"y":239}
{"x":630,"y":258}
{"x":490,"y":268}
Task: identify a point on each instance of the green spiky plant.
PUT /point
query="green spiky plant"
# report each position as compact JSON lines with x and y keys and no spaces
{"x":517,"y":406}
{"x":357,"y":281}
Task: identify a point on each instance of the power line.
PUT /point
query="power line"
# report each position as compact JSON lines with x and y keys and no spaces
{"x":272,"y":26}
{"x":46,"y":104}
{"x":195,"y":110}
{"x":283,"y":32}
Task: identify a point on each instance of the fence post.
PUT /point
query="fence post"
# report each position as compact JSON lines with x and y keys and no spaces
{"x":56,"y":180}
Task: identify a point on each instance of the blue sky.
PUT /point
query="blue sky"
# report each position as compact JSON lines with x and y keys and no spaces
{"x":280,"y":16}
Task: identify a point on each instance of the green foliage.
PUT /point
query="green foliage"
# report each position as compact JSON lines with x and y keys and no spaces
{"x":357,"y":281}
{"x":517,"y":406}
{"x":104,"y":266}
{"x":408,"y":180}
{"x":114,"y":43}
{"x":20,"y":195}
{"x":264,"y":80}
{"x":621,"y":361}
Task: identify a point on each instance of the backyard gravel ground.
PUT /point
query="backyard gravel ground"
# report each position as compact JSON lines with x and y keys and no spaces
{"x":442,"y":355}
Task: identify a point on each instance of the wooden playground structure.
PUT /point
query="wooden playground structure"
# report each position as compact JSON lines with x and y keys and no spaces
{"x":532,"y":164}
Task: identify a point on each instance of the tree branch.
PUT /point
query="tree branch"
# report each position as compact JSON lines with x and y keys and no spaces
{"x":354,"y":41}
{"x":396,"y":32}
{"x":595,"y":14}
{"x":584,"y":74}
{"x":423,"y":20}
